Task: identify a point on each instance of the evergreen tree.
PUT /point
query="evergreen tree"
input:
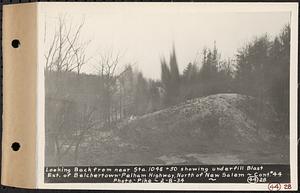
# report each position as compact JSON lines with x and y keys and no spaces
{"x":171,"y":79}
{"x":165,"y":73}
{"x":280,"y":63}
{"x":190,"y":73}
{"x":141,"y":96}
{"x":189,"y":86}
{"x":208,"y":74}
{"x":251,"y":61}
{"x":263,"y":70}
{"x":174,"y":68}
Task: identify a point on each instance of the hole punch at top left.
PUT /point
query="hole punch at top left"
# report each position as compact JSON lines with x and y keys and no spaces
{"x":15,"y":43}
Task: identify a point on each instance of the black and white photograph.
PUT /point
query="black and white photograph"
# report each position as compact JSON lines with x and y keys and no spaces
{"x":165,"y":85}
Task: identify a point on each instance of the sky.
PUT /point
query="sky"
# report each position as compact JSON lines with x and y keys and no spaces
{"x":145,"y":34}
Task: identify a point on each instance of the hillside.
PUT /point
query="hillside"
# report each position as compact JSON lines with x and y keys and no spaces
{"x":218,"y":129}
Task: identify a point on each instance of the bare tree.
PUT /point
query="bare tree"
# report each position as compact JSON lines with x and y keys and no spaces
{"x":125,"y":87}
{"x":69,"y":135}
{"x":85,"y":125}
{"x":110,"y":85}
{"x":66,"y":52}
{"x":107,"y":65}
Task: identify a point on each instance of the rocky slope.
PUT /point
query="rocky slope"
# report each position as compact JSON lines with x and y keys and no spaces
{"x":222,"y":128}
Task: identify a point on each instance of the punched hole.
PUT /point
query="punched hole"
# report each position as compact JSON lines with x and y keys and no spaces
{"x":15,"y":146}
{"x":15,"y":43}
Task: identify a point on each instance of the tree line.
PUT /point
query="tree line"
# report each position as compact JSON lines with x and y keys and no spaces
{"x":259,"y":69}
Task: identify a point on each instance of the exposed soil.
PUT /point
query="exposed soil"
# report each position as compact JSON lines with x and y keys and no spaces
{"x":218,"y":129}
